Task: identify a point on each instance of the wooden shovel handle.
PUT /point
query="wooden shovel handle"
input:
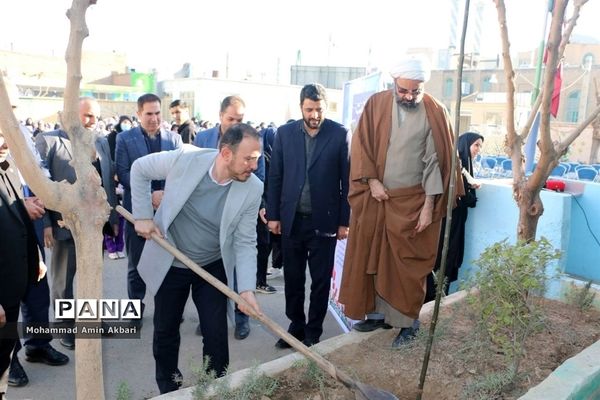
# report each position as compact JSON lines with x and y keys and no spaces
{"x":272,"y":325}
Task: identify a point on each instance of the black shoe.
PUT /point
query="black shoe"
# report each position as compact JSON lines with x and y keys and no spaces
{"x":370,"y":325}
{"x":266,"y":289}
{"x":242,"y":330}
{"x":310,"y":342}
{"x":68,"y":341}
{"x":16,"y":374}
{"x":46,"y":354}
{"x":282,"y":344}
{"x":198,"y":331}
{"x":406,"y":335}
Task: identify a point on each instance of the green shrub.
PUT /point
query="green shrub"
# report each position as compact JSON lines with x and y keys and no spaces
{"x":509,"y":278}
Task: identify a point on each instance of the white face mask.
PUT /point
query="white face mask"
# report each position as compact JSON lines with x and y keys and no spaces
{"x":125,"y":127}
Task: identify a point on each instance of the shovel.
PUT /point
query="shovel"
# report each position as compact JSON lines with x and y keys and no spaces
{"x":361,"y":391}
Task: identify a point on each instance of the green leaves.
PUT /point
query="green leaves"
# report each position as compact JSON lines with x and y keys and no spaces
{"x":510,"y":279}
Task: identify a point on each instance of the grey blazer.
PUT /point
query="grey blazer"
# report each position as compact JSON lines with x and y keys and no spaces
{"x":183,"y":169}
{"x":56,"y":153}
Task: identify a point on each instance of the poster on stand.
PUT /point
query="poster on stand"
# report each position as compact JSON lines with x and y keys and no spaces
{"x":356,"y":94}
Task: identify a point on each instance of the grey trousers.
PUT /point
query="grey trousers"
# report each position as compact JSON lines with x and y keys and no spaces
{"x":62,"y":270}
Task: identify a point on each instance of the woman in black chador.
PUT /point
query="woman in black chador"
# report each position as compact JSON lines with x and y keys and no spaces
{"x":469,"y":145}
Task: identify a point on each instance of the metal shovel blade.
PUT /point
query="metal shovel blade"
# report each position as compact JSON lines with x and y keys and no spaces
{"x":368,"y":392}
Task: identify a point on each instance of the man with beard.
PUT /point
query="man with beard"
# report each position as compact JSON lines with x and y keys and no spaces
{"x":307,"y":204}
{"x":399,"y":178}
{"x":231,"y":112}
{"x":213,"y":197}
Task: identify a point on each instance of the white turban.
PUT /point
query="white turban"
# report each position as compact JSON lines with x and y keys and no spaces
{"x":414,"y":68}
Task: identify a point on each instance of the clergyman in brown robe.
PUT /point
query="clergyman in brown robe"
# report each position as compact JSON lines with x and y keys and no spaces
{"x":399,"y":178}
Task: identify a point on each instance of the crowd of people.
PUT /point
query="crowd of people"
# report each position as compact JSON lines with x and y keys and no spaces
{"x":233,"y":195}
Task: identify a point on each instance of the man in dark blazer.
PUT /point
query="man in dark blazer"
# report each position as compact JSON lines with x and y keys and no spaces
{"x":145,"y":139}
{"x":307,"y":204}
{"x":56,"y":153}
{"x":19,"y":263}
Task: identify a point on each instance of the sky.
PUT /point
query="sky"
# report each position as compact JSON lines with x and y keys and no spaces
{"x":269,"y":34}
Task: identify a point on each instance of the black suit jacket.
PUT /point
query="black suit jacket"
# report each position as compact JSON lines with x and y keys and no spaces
{"x":19,"y":259}
{"x":328,"y":175}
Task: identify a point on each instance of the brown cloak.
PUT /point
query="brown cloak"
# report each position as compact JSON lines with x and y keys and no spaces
{"x":384,"y":255}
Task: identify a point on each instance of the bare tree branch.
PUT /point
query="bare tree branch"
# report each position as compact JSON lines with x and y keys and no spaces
{"x":53,"y":193}
{"x":570,"y":26}
{"x":534,"y":109}
{"x":574,"y":134}
{"x":546,"y":147}
{"x":508,"y":72}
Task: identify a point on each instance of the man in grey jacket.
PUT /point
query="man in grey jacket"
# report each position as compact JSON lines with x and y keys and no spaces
{"x":213,"y":197}
{"x":56,"y":152}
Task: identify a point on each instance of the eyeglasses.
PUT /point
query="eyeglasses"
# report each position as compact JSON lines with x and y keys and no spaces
{"x":404,"y":91}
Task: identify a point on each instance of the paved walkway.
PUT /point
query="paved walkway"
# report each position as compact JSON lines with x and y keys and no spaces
{"x":131,"y":361}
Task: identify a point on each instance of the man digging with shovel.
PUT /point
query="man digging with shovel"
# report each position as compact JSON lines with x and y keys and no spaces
{"x":209,"y":213}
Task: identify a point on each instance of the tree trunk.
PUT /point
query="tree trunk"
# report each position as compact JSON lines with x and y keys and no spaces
{"x":83,"y":204}
{"x":530,"y":210}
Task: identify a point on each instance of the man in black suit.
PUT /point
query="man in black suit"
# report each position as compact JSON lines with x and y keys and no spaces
{"x":19,"y":263}
{"x":307,"y":204}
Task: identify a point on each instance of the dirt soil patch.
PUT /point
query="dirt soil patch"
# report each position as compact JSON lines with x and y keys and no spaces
{"x":458,"y":359}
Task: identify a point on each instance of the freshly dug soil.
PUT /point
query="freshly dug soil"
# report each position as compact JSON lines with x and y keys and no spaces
{"x":458,"y":359}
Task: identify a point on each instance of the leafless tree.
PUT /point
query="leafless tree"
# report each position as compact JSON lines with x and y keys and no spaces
{"x":526,"y":189}
{"x":594,"y":157}
{"x":82,"y":204}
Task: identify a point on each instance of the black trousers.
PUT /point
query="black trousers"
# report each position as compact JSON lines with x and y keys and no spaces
{"x":302,"y":246}
{"x":136,"y":287}
{"x":263,"y":247}
{"x":169,"y":304}
{"x":35,"y":306}
{"x":456,"y":251}
{"x":277,"y":256}
{"x":8,"y":335}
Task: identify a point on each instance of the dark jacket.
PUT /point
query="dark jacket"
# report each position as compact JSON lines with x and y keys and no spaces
{"x":131,"y":145}
{"x":187,"y":131}
{"x":19,"y":257}
{"x":328,"y":176}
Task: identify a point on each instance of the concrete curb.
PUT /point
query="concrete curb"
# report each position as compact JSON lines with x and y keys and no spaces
{"x":281,"y":364}
{"x":577,"y":378}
